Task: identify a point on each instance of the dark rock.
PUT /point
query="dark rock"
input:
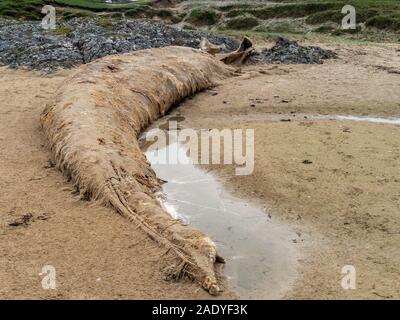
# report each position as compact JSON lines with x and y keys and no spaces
{"x":22,"y":221}
{"x":290,"y":52}
{"x":27,"y":44}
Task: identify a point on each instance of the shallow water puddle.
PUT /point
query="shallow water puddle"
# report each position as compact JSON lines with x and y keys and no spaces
{"x":260,"y":254}
{"x":367,"y":119}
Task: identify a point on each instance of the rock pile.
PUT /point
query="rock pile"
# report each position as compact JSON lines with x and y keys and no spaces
{"x":27,"y":44}
{"x":291,"y":52}
{"x":78,"y":41}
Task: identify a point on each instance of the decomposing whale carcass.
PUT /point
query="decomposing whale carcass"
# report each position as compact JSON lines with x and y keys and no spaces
{"x":92,"y":128}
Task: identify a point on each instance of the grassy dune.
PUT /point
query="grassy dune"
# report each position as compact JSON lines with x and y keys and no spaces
{"x":31,"y":9}
{"x":97,"y":5}
{"x":381,"y":14}
{"x":376,"y":19}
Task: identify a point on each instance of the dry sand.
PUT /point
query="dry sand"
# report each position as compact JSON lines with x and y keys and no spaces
{"x":345,"y":204}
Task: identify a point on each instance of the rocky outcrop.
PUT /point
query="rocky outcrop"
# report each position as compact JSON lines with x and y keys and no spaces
{"x":78,"y":41}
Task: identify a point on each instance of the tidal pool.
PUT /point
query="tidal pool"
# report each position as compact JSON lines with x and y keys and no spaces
{"x":260,"y":253}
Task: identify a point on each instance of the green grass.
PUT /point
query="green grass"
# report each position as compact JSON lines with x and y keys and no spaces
{"x":105,"y":22}
{"x":284,"y":27}
{"x":245,"y":22}
{"x":363,"y":14}
{"x":203,"y":16}
{"x":387,"y":22}
{"x":229,"y":7}
{"x":323,"y":16}
{"x":100,"y":6}
{"x":31,"y":9}
{"x":68,"y":14}
{"x":284,"y":11}
{"x":25,"y":9}
{"x":62,"y":31}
